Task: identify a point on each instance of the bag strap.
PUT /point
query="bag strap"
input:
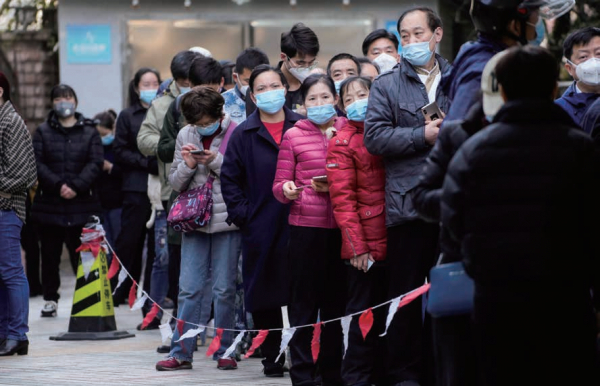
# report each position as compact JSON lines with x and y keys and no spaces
{"x":225,"y":141}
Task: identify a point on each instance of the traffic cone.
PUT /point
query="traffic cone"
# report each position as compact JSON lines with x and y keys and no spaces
{"x":92,"y":315}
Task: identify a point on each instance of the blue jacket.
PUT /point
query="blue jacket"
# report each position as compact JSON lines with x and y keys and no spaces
{"x":576,"y":103}
{"x":235,"y":105}
{"x":464,"y":82}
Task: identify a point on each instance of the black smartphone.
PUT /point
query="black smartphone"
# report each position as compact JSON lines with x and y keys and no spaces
{"x":431,"y":112}
{"x":198,"y":152}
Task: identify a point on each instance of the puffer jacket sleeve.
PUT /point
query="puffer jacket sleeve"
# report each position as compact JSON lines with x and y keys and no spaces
{"x":453,"y":195}
{"x":48,"y":180}
{"x":286,"y":167}
{"x":381,"y":136}
{"x":93,"y":166}
{"x":149,"y":134}
{"x":233,"y":179}
{"x":168,"y":136}
{"x":180,"y":174}
{"x":342,"y":178}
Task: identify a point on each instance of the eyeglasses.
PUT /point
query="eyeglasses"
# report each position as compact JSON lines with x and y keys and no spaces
{"x":311,"y":66}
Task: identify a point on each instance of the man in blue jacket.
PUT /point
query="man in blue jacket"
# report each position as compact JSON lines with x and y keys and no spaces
{"x":582,"y":52}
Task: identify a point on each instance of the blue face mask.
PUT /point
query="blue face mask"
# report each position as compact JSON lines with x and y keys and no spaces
{"x":108,"y":139}
{"x":320,"y":114}
{"x":357,"y":111}
{"x":271,"y":101}
{"x":209,"y":130}
{"x":338,"y":85}
{"x":147,"y":96}
{"x":417,"y":54}
{"x":540,"y":30}
{"x":183,"y":90}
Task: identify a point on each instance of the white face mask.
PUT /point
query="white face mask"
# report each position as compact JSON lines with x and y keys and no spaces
{"x":299,"y":73}
{"x":386,"y":62}
{"x":588,"y":72}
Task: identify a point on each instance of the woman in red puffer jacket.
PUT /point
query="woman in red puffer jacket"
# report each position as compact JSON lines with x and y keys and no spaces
{"x":357,"y":189}
{"x":318,"y":273}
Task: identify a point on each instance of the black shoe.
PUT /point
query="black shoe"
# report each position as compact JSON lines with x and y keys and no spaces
{"x":153,"y":325}
{"x":272,"y":370}
{"x":164,"y":349}
{"x":12,"y":347}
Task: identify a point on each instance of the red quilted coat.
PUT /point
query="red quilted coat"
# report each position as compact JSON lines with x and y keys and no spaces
{"x":301,"y":157}
{"x":357,"y":189}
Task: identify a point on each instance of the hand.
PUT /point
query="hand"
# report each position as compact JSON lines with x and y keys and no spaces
{"x":107,"y":167}
{"x":67,"y":193}
{"x":432,"y":129}
{"x":290,"y":192}
{"x":361,"y":262}
{"x":188,"y":158}
{"x":206,"y":158}
{"x":321,"y":187}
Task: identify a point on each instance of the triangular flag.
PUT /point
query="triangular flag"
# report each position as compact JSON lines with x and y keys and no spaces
{"x":140,"y":302}
{"x":412,"y":295}
{"x":122,"y":277}
{"x":233,"y":346}
{"x":256,"y":342}
{"x":216,"y":343}
{"x":180,"y":324}
{"x":286,"y":336}
{"x":114,"y":268}
{"x":315,"y":344}
{"x":190,"y":334}
{"x":391,"y":312}
{"x":345,"y":329}
{"x":132,"y":291}
{"x":87,"y":260}
{"x":150,"y":315}
{"x":365,"y":322}
{"x":165,"y":332}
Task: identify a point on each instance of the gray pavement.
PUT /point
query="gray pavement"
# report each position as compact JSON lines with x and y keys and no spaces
{"x":123,"y":362}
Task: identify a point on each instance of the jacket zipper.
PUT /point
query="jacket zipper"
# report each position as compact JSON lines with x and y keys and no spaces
{"x":350,"y":239}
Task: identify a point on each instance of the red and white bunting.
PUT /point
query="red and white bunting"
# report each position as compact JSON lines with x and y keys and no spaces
{"x":165,"y":332}
{"x":315,"y":344}
{"x":391,"y":312}
{"x":365,"y":322}
{"x":256,"y":342}
{"x":216,"y":343}
{"x":122,"y":277}
{"x":236,"y":341}
{"x":345,"y":321}
{"x":286,"y":336}
{"x":140,"y":302}
{"x":190,"y":334}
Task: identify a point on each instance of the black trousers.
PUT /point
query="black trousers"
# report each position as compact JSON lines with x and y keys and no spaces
{"x":362,"y":365}
{"x":130,"y":242}
{"x":264,"y":320}
{"x":30,"y":242}
{"x":454,"y":351}
{"x":412,"y":251}
{"x":318,"y":290}
{"x":174,"y":270}
{"x":52,"y":238}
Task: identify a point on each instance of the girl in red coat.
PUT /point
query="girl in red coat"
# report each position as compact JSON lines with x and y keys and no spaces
{"x":357,"y":189}
{"x":318,"y":285}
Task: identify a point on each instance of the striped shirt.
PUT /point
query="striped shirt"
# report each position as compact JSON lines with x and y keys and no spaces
{"x":17,"y":162}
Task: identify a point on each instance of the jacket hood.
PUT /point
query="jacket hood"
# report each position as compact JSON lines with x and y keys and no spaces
{"x":529,"y":111}
{"x":55,"y":124}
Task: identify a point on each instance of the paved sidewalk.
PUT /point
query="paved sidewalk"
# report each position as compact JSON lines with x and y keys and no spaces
{"x":120,"y":362}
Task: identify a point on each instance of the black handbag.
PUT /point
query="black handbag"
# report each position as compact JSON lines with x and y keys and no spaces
{"x":451,"y":292}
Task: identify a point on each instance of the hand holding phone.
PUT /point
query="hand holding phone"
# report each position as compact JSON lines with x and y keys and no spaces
{"x":320,"y":178}
{"x":431,"y":112}
{"x":198,"y":152}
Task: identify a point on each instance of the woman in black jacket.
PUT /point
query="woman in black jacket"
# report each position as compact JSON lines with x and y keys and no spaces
{"x":68,"y":153}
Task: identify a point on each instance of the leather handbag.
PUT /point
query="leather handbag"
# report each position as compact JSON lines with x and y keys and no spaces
{"x":451,"y":292}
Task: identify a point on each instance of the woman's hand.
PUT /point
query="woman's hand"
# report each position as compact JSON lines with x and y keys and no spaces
{"x":321,"y":187}
{"x":206,"y":158}
{"x":67,"y":193}
{"x":190,"y":159}
{"x":290,"y":191}
{"x":361,"y":262}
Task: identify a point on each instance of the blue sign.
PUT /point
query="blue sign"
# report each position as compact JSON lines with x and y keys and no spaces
{"x":392,"y":26}
{"x":89,"y":44}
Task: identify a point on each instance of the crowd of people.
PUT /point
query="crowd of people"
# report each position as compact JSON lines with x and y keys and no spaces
{"x":333,"y":192}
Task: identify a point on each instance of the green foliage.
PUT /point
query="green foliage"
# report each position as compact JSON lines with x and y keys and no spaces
{"x":7,"y":11}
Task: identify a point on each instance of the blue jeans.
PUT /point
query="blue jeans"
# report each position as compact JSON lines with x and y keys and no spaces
{"x":159,"y":283}
{"x":14,"y":289}
{"x":202,"y":253}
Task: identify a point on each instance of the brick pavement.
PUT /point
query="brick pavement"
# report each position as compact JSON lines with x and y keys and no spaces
{"x":121,"y":362}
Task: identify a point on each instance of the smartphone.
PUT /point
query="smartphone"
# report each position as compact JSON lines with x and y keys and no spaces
{"x":320,"y":179}
{"x":198,"y":152}
{"x":431,"y":112}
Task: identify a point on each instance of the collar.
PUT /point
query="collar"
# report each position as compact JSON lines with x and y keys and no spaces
{"x":528,"y":111}
{"x":253,"y":121}
{"x":6,"y":108}
{"x":239,"y":93}
{"x":408,"y":70}
{"x":174,"y":89}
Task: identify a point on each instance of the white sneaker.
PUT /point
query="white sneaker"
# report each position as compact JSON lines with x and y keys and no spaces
{"x":49,"y":309}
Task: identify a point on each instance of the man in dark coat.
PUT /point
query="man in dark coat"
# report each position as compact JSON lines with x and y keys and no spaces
{"x":520,"y":197}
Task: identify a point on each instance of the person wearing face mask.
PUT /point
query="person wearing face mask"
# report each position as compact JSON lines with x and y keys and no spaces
{"x":397,"y":130}
{"x":69,"y":157}
{"x":210,"y":253}
{"x":318,"y":285}
{"x":357,"y":189}
{"x":342,"y":66}
{"x":381,"y":47}
{"x":368,"y":68}
{"x":235,"y":99}
{"x":247,"y":178}
{"x":135,"y":168}
{"x":582,"y":52}
{"x":500,"y":24}
{"x":299,"y":50}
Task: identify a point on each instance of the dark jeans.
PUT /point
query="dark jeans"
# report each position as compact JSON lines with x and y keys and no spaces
{"x":454,"y":350}
{"x":318,"y":290}
{"x":30,"y":242}
{"x":264,"y":320}
{"x":412,"y":251}
{"x":52,"y":238}
{"x":364,"y":360}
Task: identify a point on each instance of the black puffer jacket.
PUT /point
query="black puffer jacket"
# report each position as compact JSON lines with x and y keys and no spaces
{"x":71,"y":156}
{"x":521,"y":197}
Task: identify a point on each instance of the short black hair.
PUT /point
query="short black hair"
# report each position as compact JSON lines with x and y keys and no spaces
{"x":299,"y":40}
{"x":376,"y":35}
{"x":227,"y":70}
{"x":528,"y":72}
{"x":433,"y":20}
{"x":106,"y":119}
{"x":365,"y":60}
{"x":205,"y":70}
{"x":180,"y":65}
{"x":365,"y":82}
{"x":63,"y":91}
{"x":134,"y":85}
{"x":200,"y":102}
{"x":250,"y":58}
{"x":261,"y":68}
{"x":582,"y":36}
{"x":343,"y":56}
{"x":313,"y":80}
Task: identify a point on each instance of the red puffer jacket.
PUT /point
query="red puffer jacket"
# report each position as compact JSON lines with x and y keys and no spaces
{"x":357,"y":188}
{"x":301,"y":157}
